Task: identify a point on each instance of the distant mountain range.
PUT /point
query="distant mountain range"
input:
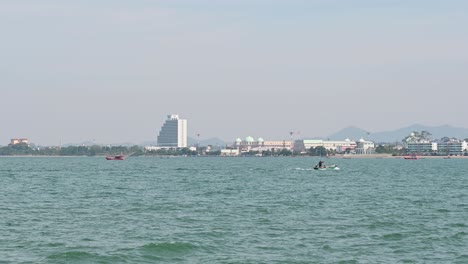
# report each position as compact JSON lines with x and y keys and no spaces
{"x":353,"y":133}
{"x":437,"y":132}
{"x":205,"y":142}
{"x":91,"y":143}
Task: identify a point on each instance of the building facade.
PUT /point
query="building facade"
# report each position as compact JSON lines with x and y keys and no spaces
{"x":452,"y":148}
{"x":364,"y":147}
{"x":251,"y":144}
{"x":304,"y":145}
{"x":229,"y":152}
{"x":449,"y":148}
{"x":173,"y":133}
{"x":16,"y":141}
{"x":421,"y":147}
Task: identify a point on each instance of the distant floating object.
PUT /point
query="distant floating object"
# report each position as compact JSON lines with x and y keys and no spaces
{"x":412,"y":157}
{"x":330,"y":167}
{"x":116,"y":157}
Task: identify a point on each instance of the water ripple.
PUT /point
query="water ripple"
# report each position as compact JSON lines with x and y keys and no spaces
{"x":232,"y":210}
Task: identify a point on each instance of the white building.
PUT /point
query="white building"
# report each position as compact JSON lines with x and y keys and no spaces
{"x":173,"y":133}
{"x":152,"y":148}
{"x":339,"y":146}
{"x":230,"y":152}
{"x":453,"y":147}
{"x":15,"y":141}
{"x":421,"y":147}
{"x":250,"y":144}
{"x":364,"y":147}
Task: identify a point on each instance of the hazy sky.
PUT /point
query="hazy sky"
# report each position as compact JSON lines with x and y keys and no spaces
{"x":111,"y":70}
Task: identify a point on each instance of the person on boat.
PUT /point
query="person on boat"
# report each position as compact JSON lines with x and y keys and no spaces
{"x":320,"y":164}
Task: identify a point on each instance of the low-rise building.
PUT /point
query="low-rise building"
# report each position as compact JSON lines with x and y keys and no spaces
{"x":452,"y":148}
{"x":230,"y":152}
{"x":192,"y":148}
{"x":364,"y":147}
{"x":340,"y":146}
{"x":250,"y":144}
{"x":16,"y":141}
{"x":155,"y":148}
{"x":421,"y":147}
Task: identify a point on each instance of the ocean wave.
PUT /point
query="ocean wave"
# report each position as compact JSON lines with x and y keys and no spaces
{"x":71,"y":255}
{"x":81,"y":257}
{"x":168,"y":247}
{"x":393,"y":236}
{"x":303,"y":169}
{"x":459,"y":235}
{"x":185,"y":169}
{"x":161,"y":252}
{"x":458,"y":225}
{"x":462,"y":259}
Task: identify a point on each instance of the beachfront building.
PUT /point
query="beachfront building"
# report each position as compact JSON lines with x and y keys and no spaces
{"x":449,"y":148}
{"x":364,"y":147}
{"x":173,"y":133}
{"x":452,"y":148}
{"x":251,"y":144}
{"x":16,"y":141}
{"x":340,"y":146}
{"x":424,"y":147}
{"x":230,"y":152}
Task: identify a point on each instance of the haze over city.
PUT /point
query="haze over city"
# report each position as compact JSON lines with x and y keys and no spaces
{"x":110,"y":71}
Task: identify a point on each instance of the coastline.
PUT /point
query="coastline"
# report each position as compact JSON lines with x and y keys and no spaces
{"x":44,"y":156}
{"x":338,"y":156}
{"x":389,"y":156}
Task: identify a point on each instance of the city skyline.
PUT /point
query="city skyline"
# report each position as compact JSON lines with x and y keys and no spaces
{"x":110,"y":71}
{"x":353,"y":133}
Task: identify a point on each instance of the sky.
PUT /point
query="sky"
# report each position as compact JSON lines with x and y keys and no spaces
{"x":109,"y":71}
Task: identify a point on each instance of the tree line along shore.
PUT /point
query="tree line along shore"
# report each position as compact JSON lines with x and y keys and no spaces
{"x":96,"y":150}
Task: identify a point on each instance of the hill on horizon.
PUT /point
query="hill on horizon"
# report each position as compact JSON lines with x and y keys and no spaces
{"x":205,"y":142}
{"x":397,"y":135}
{"x":351,"y":132}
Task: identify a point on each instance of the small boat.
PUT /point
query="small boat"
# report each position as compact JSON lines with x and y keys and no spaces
{"x":116,"y":157}
{"x":412,"y":157}
{"x":331,"y":167}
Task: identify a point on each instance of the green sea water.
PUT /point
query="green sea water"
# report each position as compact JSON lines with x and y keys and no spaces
{"x":233,"y":210}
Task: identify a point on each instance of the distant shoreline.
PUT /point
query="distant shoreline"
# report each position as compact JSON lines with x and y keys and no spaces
{"x":339,"y":156}
{"x":45,"y":156}
{"x":389,"y":156}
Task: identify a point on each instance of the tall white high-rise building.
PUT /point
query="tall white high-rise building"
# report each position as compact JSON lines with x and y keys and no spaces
{"x":173,"y":133}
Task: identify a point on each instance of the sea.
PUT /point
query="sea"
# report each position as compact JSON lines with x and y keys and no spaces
{"x":232,"y":210}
